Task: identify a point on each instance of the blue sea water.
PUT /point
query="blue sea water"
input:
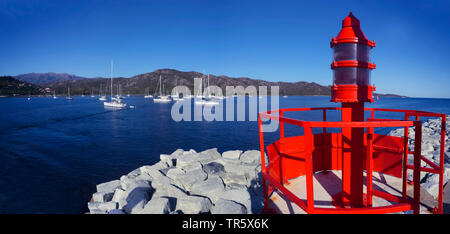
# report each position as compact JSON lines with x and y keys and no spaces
{"x":54,"y":151}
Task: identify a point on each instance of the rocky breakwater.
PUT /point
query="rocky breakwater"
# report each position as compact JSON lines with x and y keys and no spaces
{"x":431,"y":139}
{"x":186,"y":182}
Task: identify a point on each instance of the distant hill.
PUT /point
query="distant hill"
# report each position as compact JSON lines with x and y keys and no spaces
{"x":10,"y":86}
{"x":147,"y":83}
{"x":47,"y":78}
{"x":389,"y":95}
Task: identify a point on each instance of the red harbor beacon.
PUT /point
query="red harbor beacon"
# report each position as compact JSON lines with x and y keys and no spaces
{"x":351,"y":86}
{"x":355,"y":152}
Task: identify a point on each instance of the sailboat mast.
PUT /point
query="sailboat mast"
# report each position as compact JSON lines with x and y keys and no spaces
{"x":112,"y":63}
{"x":160,"y":86}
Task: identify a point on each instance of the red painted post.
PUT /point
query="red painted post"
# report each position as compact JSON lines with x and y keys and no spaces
{"x":417,"y":161}
{"x":282,"y":134}
{"x":441,"y":165}
{"x":263,"y":163}
{"x":352,"y":156}
{"x":324,"y":132}
{"x":405,"y":159}
{"x":309,"y":169}
{"x":369,"y":166}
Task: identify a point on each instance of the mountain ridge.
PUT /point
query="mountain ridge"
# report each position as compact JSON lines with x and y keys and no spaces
{"x":147,"y":83}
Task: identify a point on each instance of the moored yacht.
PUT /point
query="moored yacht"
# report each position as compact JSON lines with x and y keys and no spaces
{"x":115,"y":102}
{"x":161,"y":98}
{"x":205,"y":99}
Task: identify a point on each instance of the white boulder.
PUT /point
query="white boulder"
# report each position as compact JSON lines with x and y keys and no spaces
{"x":105,"y":206}
{"x":232,"y":154}
{"x":251,"y":156}
{"x":159,"y":205}
{"x":240,"y":196}
{"x":102,"y":196}
{"x":186,"y":159}
{"x":223,"y":206}
{"x":108,"y":186}
{"x":192,"y":177}
{"x":193,"y":205}
{"x":211,"y":188}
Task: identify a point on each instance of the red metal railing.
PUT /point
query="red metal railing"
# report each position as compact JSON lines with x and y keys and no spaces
{"x":404,"y":203}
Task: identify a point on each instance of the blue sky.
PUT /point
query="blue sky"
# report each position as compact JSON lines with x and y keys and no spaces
{"x":269,"y":40}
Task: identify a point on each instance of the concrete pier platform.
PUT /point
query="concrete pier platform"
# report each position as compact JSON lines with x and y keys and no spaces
{"x":328,"y":184}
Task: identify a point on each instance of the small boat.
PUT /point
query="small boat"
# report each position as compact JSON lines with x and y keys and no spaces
{"x":68,"y":94}
{"x":54,"y":95}
{"x":176,"y":97}
{"x":29,"y":96}
{"x":100,"y":93}
{"x":115,"y":102}
{"x":148,"y":95}
{"x":206,"y":101}
{"x":161,"y":98}
{"x":217,"y":97}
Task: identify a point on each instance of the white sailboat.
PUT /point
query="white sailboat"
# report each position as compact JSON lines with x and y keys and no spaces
{"x":102,"y":97}
{"x":115,"y":102}
{"x":148,"y":94}
{"x":215,"y":96}
{"x":68,"y":94}
{"x":206,"y":99}
{"x":161,"y":98}
{"x":54,"y":94}
{"x":176,"y":97}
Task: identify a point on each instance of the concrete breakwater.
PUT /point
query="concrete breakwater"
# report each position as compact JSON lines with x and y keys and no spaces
{"x":186,"y":182}
{"x":431,"y":138}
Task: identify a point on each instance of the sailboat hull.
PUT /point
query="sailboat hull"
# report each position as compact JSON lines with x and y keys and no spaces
{"x":115,"y":104}
{"x":162,"y":100}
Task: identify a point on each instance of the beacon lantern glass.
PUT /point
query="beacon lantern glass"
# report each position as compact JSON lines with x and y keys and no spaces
{"x":351,"y":75}
{"x":351,"y":51}
{"x":352,"y":64}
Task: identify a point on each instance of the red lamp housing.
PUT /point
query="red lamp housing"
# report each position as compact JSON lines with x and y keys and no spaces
{"x":351,"y":64}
